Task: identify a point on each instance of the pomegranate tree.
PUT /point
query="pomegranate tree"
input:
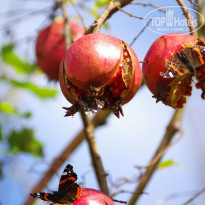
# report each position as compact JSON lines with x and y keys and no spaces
{"x":50,"y":46}
{"x":99,"y":71}
{"x":170,"y":65}
{"x":92,"y":196}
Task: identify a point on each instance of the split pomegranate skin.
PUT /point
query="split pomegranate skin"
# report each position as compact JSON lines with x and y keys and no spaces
{"x":93,"y":197}
{"x":50,"y":46}
{"x":170,"y":65}
{"x":99,"y":71}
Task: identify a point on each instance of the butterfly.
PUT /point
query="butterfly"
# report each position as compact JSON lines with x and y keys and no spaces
{"x":68,"y":190}
{"x":186,"y":60}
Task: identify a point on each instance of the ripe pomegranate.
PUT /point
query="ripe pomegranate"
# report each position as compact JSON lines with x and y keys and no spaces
{"x":170,"y":64}
{"x":50,"y":46}
{"x":99,"y":71}
{"x":92,"y":196}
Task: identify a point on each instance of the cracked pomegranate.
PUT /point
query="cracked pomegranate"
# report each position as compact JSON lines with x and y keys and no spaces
{"x":50,"y":46}
{"x":99,"y":71}
{"x":170,"y":65}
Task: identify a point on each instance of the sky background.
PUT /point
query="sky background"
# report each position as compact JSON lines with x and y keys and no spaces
{"x":123,"y":143}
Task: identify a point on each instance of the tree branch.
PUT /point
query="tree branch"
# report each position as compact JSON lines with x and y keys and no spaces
{"x":79,"y":14}
{"x":148,"y":4}
{"x":68,"y":40}
{"x":188,"y":17}
{"x":130,"y":15}
{"x":194,"y":197}
{"x":107,"y":13}
{"x":98,"y":120}
{"x":173,"y":127}
{"x":96,"y":159}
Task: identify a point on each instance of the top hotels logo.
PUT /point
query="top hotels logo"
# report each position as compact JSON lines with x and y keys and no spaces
{"x":172,"y":20}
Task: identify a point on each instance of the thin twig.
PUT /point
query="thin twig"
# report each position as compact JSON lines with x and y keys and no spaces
{"x":15,"y":20}
{"x":79,"y":14}
{"x":98,"y":120}
{"x":188,"y":17}
{"x":172,"y":196}
{"x":148,"y":4}
{"x":140,"y":33}
{"x":130,"y":15}
{"x":107,"y":13}
{"x":173,"y":127}
{"x":194,"y":197}
{"x":120,"y":183}
{"x":193,"y":3}
{"x":67,"y":32}
{"x":200,"y":22}
{"x":159,"y":155}
{"x":96,"y":159}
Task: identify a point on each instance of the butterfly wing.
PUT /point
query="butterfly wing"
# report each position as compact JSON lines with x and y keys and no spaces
{"x":46,"y":197}
{"x":68,"y":177}
{"x":73,"y":193}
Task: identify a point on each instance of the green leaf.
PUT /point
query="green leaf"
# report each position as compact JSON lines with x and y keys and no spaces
{"x":9,"y":57}
{"x":9,"y":109}
{"x":41,"y":92}
{"x":1,"y":137}
{"x":24,"y":141}
{"x":168,"y":163}
{"x":101,"y":3}
{"x":70,"y":1}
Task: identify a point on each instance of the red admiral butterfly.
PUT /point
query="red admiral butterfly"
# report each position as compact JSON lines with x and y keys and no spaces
{"x":186,"y":60}
{"x":68,"y":191}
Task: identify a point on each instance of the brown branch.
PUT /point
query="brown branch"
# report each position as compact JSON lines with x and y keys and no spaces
{"x":201,"y":10}
{"x":23,"y":17}
{"x":188,"y":17}
{"x":140,"y":33}
{"x":107,"y":13}
{"x":130,"y":15}
{"x":173,"y":127}
{"x":98,"y":120}
{"x":67,"y":31}
{"x":193,"y":3}
{"x":79,"y":14}
{"x":96,"y":159}
{"x":148,"y":4}
{"x":194,"y":197}
{"x":162,"y":151}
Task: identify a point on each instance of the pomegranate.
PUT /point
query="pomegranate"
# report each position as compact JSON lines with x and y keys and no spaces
{"x":170,"y":65}
{"x":92,"y":196}
{"x":99,"y":71}
{"x":50,"y":46}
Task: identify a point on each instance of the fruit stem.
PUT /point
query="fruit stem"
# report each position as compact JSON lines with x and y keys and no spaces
{"x":96,"y":158}
{"x":173,"y":127}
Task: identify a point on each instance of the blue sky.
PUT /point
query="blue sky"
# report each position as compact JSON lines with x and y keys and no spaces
{"x":123,"y":143}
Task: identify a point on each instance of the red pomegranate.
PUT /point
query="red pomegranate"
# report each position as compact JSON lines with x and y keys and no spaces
{"x":50,"y":46}
{"x":99,"y":71}
{"x":170,"y":65}
{"x":93,"y":197}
